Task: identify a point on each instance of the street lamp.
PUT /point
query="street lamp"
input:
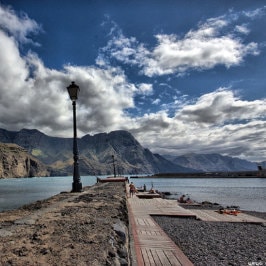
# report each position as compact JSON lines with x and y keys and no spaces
{"x":114,"y":165}
{"x":73,"y":91}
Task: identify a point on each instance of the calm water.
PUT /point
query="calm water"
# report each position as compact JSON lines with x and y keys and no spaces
{"x":16,"y":192}
{"x":248,"y":193}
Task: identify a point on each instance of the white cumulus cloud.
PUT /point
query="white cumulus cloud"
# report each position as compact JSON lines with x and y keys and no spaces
{"x":18,"y":26}
{"x":210,"y":45}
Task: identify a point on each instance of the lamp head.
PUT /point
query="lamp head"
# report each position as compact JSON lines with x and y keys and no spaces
{"x":73,"y":91}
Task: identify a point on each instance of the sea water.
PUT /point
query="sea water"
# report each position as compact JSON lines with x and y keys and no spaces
{"x":15,"y":192}
{"x":247,"y":193}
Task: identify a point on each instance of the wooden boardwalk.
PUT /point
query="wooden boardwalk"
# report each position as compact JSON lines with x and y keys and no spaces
{"x":152,"y":245}
{"x":213,"y":216}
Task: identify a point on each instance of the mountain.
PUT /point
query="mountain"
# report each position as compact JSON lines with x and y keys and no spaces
{"x":96,"y":153}
{"x":16,"y":162}
{"x":212,"y":162}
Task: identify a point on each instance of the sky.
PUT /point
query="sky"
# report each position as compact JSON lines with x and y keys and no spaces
{"x":181,"y":76}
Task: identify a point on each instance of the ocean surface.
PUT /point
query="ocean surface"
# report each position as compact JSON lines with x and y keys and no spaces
{"x":16,"y":192}
{"x":247,"y":193}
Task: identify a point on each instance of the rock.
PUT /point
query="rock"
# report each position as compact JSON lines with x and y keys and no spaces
{"x":122,"y":252}
{"x":123,"y":262}
{"x":16,"y":162}
{"x":121,"y":230}
{"x":4,"y":233}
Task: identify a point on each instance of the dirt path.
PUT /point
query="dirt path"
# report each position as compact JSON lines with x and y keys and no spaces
{"x":88,"y":228}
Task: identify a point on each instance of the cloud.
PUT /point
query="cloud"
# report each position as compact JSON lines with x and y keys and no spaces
{"x":255,"y":13}
{"x":156,"y":101}
{"x":37,"y":97}
{"x":145,"y":89}
{"x":212,"y":44}
{"x":105,"y":94}
{"x":19,"y":27}
{"x":242,"y":29}
{"x":220,"y":107}
{"x":203,"y":48}
{"x":217,"y":122}
{"x":125,"y":50}
{"x":34,"y":96}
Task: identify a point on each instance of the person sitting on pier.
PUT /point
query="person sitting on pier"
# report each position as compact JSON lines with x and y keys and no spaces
{"x":182,"y":199}
{"x":189,"y":200}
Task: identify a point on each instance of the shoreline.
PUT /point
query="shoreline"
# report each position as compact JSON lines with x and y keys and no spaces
{"x":93,"y":228}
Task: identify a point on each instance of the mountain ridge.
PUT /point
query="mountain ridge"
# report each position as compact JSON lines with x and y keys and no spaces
{"x":96,"y":153}
{"x":213,"y":162}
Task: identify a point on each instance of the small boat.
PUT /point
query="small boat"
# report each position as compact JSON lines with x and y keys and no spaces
{"x":112,"y":178}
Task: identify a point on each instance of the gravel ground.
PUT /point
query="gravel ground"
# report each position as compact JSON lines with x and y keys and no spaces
{"x":217,"y":243}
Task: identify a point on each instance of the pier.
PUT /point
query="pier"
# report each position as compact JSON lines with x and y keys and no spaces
{"x":101,"y":225}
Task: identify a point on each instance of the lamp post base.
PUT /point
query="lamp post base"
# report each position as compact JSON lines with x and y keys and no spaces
{"x":76,"y":187}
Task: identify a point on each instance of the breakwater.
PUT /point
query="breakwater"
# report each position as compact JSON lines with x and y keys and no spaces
{"x":88,"y":228}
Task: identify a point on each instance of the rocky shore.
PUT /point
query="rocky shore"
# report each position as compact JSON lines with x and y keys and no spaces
{"x":88,"y":228}
{"x":218,"y":243}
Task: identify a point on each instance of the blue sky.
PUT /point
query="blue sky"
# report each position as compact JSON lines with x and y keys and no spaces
{"x":181,"y":76}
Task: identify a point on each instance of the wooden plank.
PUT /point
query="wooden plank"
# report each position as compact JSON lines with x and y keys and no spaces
{"x":163,"y":258}
{"x":155,"y":246}
{"x":172,"y":258}
{"x":211,"y":215}
{"x":150,"y":222}
{"x":145,"y":257}
{"x":150,"y":256}
{"x":155,"y":257}
{"x":140,"y":221}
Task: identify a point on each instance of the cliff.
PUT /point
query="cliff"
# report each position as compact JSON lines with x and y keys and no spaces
{"x":16,"y":162}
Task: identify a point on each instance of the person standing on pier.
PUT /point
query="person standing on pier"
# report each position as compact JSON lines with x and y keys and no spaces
{"x":132,"y":189}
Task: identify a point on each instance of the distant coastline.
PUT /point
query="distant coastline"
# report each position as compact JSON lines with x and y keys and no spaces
{"x":238,"y":174}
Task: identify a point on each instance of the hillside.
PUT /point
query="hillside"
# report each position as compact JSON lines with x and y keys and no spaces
{"x":212,"y":162}
{"x":16,"y":162}
{"x":95,"y":153}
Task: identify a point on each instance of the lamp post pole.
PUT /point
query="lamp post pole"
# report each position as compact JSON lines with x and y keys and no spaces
{"x":114,"y":165}
{"x":73,"y":91}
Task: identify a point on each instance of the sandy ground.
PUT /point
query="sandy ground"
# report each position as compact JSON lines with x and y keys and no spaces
{"x":88,"y":228}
